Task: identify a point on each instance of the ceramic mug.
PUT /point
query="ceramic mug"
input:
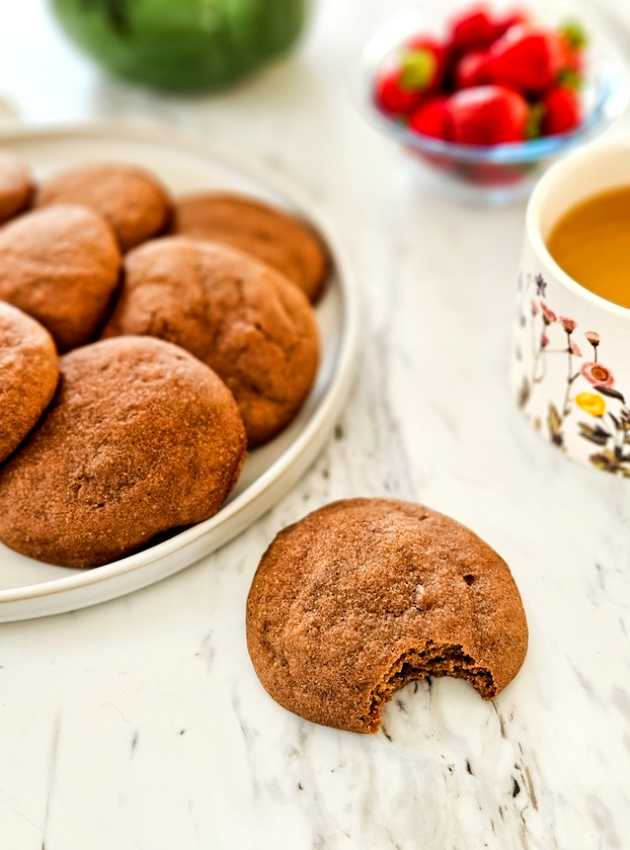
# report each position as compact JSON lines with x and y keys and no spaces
{"x":571,"y":360}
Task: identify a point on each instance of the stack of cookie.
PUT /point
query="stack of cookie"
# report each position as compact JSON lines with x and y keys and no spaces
{"x":187,"y":336}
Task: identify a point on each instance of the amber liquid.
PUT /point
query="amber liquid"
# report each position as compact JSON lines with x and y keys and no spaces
{"x":591,"y":242}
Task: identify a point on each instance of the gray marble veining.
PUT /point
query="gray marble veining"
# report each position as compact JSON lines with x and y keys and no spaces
{"x":140,"y":724}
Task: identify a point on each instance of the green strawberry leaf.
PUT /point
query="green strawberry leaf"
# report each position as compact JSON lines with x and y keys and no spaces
{"x":575,"y":33}
{"x":571,"y":79}
{"x":418,"y":69}
{"x":534,"y":121}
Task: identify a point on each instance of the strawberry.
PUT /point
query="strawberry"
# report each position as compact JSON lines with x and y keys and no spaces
{"x":526,"y":58}
{"x":472,"y":70}
{"x":433,"y":119}
{"x":472,"y":29}
{"x":573,"y":39}
{"x":392,"y":96}
{"x":574,"y":34}
{"x":562,"y":111}
{"x":488,"y":115}
{"x":433,"y":54}
{"x":502,"y":23}
{"x":572,"y":60}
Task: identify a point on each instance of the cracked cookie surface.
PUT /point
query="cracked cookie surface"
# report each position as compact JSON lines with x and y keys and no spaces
{"x":132,"y":200}
{"x":141,"y":439}
{"x":246,"y":321}
{"x":29,"y":371}
{"x":365,"y":595}
{"x":284,"y":242}
{"x":16,"y":186}
{"x":60,"y":265}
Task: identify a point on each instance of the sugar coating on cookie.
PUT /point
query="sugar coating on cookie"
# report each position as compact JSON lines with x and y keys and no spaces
{"x":29,"y":371}
{"x":131,"y":199}
{"x":141,"y":438}
{"x":60,"y":265}
{"x":246,"y":321}
{"x":365,"y":595}
{"x":16,"y":186}
{"x":283,"y":241}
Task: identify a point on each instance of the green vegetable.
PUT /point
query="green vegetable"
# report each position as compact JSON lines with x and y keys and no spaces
{"x":182,"y":44}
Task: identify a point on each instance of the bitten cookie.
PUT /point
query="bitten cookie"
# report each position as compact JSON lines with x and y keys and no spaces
{"x":283,"y":242}
{"x":28,"y":375}
{"x":16,"y":186}
{"x":60,"y":265}
{"x":246,"y":321}
{"x":140,"y":439}
{"x":132,"y":200}
{"x":365,"y":595}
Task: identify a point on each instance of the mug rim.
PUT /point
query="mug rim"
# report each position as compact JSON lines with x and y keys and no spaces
{"x":533,"y":217}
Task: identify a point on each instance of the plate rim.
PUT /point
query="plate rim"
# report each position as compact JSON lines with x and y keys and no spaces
{"x":334,"y":394}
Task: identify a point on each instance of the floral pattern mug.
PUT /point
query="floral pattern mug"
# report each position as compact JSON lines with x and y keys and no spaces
{"x":571,"y":361}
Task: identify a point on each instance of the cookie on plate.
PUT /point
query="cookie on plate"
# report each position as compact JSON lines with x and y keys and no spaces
{"x":246,"y":321}
{"x":132,"y":200}
{"x":29,"y":372}
{"x":141,"y":438}
{"x":365,"y":595}
{"x":16,"y":186}
{"x":284,"y":242}
{"x":60,"y":265}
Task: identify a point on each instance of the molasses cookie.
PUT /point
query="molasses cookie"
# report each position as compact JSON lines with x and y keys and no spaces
{"x":140,"y":439}
{"x":16,"y":186}
{"x":283,"y":242}
{"x":365,"y":595}
{"x":28,"y":375}
{"x":242,"y":318}
{"x":132,"y":200}
{"x":60,"y":265}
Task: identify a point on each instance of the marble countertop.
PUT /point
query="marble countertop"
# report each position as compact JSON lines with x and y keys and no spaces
{"x":140,"y":725}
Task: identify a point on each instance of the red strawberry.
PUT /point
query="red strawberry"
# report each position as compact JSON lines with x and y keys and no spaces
{"x":572,"y":59}
{"x":433,"y":118}
{"x":392,"y":96}
{"x":488,"y":115}
{"x":472,"y":28}
{"x":502,"y":23}
{"x":563,"y":111}
{"x":472,"y":70}
{"x":573,"y":39}
{"x":526,"y":58}
{"x":434,"y":54}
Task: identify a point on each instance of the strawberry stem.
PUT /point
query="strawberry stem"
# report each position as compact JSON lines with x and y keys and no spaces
{"x":574,"y":33}
{"x":417,"y":69}
{"x":533,"y":125}
{"x":570,"y":79}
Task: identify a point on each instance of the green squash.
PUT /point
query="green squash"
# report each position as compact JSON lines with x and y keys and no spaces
{"x":182,"y":44}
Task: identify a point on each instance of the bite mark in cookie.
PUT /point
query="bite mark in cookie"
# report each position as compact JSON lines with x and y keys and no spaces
{"x":365,"y":595}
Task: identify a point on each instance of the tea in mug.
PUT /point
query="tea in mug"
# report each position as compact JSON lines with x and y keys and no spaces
{"x":591,"y":243}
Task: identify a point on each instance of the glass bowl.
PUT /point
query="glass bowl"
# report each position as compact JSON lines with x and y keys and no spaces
{"x":497,"y":173}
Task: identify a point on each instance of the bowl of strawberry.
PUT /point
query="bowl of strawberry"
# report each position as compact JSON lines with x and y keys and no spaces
{"x":487,"y":102}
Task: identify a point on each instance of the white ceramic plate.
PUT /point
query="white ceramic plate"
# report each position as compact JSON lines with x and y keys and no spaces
{"x":30,"y":588}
